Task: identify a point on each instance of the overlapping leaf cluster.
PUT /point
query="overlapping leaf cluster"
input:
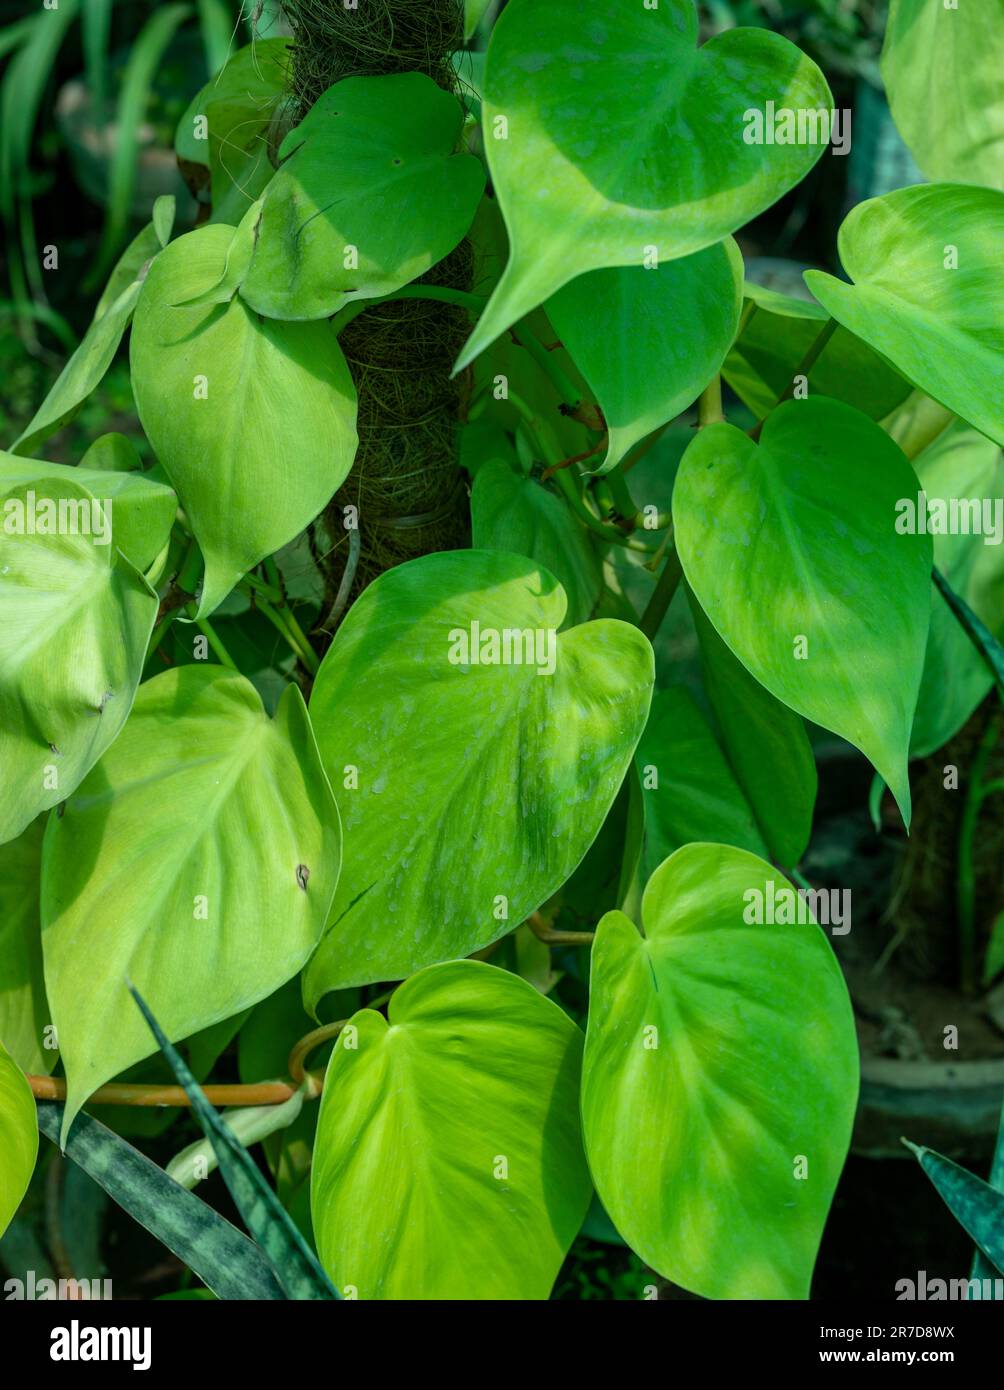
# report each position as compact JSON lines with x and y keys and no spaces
{"x":163,"y":828}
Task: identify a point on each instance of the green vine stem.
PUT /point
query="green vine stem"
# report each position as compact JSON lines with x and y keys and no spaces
{"x":662,"y":595}
{"x":976,"y":794}
{"x":812,"y":356}
{"x":285,"y":624}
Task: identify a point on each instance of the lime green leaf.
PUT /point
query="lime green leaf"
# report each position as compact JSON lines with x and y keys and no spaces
{"x":610,"y":137}
{"x":976,"y":1206}
{"x":673,"y":326}
{"x":720,"y":1078}
{"x":18,"y":1137}
{"x":139,"y":511}
{"x":765,"y":743}
{"x":82,"y":373}
{"x":802,"y":528}
{"x":932,"y":53}
{"x":77,"y":620}
{"x":224,"y":1259}
{"x":689,"y":789}
{"x":516,"y":514}
{"x":927,"y":293}
{"x":415,"y":1196}
{"x":295,"y":1264}
{"x":472,"y":790}
{"x":24,"y":1012}
{"x":961,"y":466}
{"x":778,"y":332}
{"x":331,"y":229}
{"x":228,"y":400}
{"x":226,"y":127}
{"x":188,"y":904}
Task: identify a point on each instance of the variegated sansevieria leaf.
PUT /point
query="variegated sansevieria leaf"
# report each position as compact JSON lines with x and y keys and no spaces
{"x":448,"y":1161}
{"x":475,"y":749}
{"x":198,"y":861}
{"x":720,"y":1075}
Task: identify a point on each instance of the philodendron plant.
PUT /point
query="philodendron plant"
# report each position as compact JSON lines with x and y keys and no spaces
{"x":456,"y":820}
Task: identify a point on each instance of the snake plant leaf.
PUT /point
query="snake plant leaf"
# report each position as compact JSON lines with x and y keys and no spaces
{"x":976,"y":1206}
{"x":140,"y":510}
{"x":24,"y":1012}
{"x":82,"y":373}
{"x":295,"y":1264}
{"x":959,"y":468}
{"x":77,"y":620}
{"x":227,"y":126}
{"x":673,"y":325}
{"x":765,"y":743}
{"x":611,"y":139}
{"x":228,"y":400}
{"x":477,"y":772}
{"x":720,"y":1058}
{"x":215,"y":1251}
{"x":189,"y":905}
{"x":778,"y":331}
{"x":802,"y":527}
{"x":931,"y":54}
{"x":416,"y":1196}
{"x":518,"y":515}
{"x":332,"y":226}
{"x":18,"y":1137}
{"x":927,"y":294}
{"x":690,"y":792}
{"x":991,"y":651}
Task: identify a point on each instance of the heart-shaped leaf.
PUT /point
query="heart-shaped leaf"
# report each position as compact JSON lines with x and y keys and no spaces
{"x":612,"y":139}
{"x":18,"y":1137}
{"x":963,"y":470}
{"x":24,"y":1012}
{"x":792,"y":551}
{"x":673,"y":326}
{"x":515,"y":514}
{"x":77,"y":620}
{"x":479,"y":751}
{"x":226,"y":127}
{"x":139,"y":510}
{"x":928,"y":294}
{"x":765,"y":743}
{"x":778,"y":332}
{"x":161,"y":870}
{"x":227,"y":400}
{"x":932,"y":53}
{"x":689,"y":790}
{"x":720,"y":1077}
{"x":415,"y":1196}
{"x":371,"y":193}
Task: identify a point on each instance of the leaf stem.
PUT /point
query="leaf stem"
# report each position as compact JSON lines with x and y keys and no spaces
{"x":709,"y":404}
{"x":812,"y":356}
{"x":299,"y":645}
{"x":662,"y":595}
